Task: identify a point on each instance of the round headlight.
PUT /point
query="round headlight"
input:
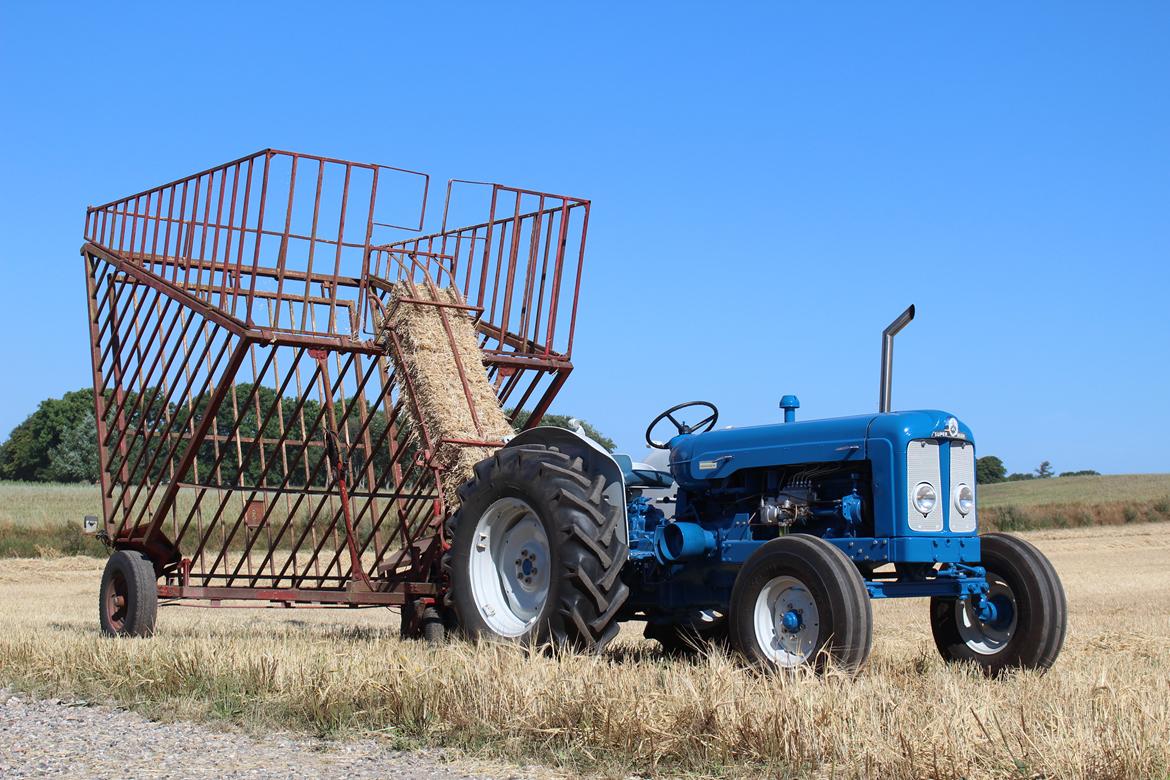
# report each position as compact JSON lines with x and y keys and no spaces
{"x":924,"y":497}
{"x":964,"y":498}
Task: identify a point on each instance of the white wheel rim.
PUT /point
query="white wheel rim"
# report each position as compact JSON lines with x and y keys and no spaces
{"x":987,"y":638}
{"x":509,"y":567}
{"x":781,"y":642}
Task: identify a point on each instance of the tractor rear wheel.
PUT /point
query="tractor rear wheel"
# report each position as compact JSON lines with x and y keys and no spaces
{"x":128,"y":601}
{"x":1030,"y":617}
{"x":797,"y":601}
{"x":536,"y":552}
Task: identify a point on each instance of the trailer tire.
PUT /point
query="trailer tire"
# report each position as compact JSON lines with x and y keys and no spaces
{"x":422,"y":622}
{"x":527,"y":508}
{"x":1031,"y":637}
{"x":128,"y":600}
{"x":826,"y":618}
{"x":433,"y":630}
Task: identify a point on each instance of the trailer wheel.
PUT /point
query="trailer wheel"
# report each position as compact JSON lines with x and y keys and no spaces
{"x":1028,"y":628}
{"x":797,"y":601}
{"x":536,"y":553}
{"x":128,"y":601}
{"x":426,"y":623}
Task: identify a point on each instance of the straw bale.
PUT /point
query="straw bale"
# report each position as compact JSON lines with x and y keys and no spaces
{"x":428,"y":359}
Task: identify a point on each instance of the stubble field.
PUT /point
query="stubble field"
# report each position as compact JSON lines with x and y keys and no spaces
{"x":1102,"y":712}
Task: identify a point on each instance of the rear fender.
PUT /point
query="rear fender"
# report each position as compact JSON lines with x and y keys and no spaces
{"x":596,"y":460}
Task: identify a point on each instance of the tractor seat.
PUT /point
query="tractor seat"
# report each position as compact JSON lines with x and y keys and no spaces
{"x":641,"y":475}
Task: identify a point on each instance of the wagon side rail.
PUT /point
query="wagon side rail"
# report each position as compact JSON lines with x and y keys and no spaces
{"x":519,"y":271}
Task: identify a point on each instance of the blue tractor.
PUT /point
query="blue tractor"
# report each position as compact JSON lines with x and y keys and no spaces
{"x":772,"y":539}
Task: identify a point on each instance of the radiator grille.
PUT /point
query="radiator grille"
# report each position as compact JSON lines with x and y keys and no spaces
{"x":962,"y":471}
{"x":922,"y":465}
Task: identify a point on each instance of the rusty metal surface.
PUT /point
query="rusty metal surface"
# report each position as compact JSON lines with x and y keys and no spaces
{"x":254,"y":436}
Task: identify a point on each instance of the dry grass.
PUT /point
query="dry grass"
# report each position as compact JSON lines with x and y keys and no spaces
{"x":431,"y":364}
{"x":1030,"y":517}
{"x":1102,"y":712}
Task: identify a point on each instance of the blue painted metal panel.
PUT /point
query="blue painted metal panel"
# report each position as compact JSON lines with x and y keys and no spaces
{"x":951,"y":548}
{"x":699,"y":457}
{"x":954,"y":587}
{"x":888,"y":436}
{"x":917,"y":549}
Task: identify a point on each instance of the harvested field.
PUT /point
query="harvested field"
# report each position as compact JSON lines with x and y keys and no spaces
{"x":1102,"y":712}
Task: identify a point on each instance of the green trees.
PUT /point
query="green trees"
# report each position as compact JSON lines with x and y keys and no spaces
{"x":58,"y":442}
{"x":75,"y":457}
{"x":54,"y":443}
{"x":989,"y":469}
{"x":563,"y":421}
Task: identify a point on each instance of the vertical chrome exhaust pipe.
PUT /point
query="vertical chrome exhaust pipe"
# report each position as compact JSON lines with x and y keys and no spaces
{"x":887,"y":380}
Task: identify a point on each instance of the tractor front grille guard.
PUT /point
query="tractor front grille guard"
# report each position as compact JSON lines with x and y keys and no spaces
{"x":254,"y":436}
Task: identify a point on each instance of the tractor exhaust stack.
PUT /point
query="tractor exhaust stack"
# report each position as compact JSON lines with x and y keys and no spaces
{"x":901,"y":321}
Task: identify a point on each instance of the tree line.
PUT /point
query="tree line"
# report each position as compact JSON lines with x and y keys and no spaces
{"x":990,"y":469}
{"x":59,"y":441}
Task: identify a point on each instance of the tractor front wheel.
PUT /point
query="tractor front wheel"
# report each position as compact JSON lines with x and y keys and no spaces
{"x":1028,"y":615}
{"x":128,"y":601}
{"x":536,"y":552}
{"x":797,"y":601}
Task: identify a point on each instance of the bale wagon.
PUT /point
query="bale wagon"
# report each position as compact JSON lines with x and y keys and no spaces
{"x":261,"y":397}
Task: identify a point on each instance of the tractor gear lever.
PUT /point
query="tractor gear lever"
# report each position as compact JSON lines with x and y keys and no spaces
{"x":702,"y":426}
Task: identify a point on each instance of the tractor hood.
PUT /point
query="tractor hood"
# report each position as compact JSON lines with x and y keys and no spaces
{"x":696,"y":458}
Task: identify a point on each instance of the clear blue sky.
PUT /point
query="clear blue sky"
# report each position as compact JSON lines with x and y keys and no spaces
{"x":771,"y":185}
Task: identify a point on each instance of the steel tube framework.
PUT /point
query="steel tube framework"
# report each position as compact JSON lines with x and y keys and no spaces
{"x":256,"y":437}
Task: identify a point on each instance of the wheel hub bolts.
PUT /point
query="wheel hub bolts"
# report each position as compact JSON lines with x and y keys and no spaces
{"x":526,"y":566}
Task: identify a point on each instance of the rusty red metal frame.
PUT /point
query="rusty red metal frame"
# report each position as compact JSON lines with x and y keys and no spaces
{"x":254,"y":435}
{"x":511,"y":270}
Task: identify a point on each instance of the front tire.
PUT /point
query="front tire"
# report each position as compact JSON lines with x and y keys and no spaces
{"x":1031,"y":617}
{"x":797,"y":601}
{"x":128,"y":600}
{"x":536,"y":552}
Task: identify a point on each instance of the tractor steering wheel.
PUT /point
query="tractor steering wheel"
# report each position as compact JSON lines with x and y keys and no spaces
{"x":702,"y":426}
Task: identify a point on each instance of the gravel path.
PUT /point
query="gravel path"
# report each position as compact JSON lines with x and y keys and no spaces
{"x":53,"y":738}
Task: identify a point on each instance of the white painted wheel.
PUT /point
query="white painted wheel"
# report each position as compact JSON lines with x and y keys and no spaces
{"x":786,"y":621}
{"x":991,"y":637}
{"x":509,"y":567}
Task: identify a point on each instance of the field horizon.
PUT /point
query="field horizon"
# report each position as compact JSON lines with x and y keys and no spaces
{"x":44,"y":518}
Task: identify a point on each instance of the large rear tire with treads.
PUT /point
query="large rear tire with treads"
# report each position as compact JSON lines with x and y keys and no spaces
{"x":536,"y":552}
